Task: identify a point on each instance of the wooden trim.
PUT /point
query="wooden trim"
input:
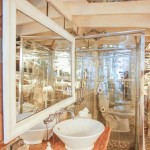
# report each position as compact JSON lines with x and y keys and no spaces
{"x":6,"y":146}
{"x":1,"y":85}
{"x":1,"y":111}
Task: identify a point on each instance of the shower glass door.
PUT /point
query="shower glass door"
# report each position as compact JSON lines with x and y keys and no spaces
{"x":112,"y":65}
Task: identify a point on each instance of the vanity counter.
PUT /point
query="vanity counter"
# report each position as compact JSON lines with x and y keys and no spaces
{"x":101,"y":143}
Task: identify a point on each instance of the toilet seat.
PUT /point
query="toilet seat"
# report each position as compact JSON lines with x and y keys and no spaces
{"x":123,"y":114}
{"x":124,"y":108}
{"x":122,"y":119}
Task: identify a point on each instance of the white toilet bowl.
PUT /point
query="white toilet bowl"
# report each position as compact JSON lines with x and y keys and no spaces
{"x":118,"y":118}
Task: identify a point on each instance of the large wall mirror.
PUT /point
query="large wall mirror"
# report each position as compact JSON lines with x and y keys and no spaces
{"x":38,"y":75}
{"x":43,"y":67}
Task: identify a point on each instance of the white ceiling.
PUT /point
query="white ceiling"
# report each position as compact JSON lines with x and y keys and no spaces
{"x":111,"y":16}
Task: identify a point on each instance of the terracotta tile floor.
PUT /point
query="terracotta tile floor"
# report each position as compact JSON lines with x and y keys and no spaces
{"x":147,"y":142}
{"x":121,"y":141}
{"x":125,"y":145}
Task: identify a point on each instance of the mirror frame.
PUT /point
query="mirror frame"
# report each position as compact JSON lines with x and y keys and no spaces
{"x":12,"y":129}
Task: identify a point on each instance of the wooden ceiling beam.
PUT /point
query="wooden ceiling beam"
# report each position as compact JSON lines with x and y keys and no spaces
{"x":129,"y":7}
{"x":23,"y":19}
{"x":85,"y":30}
{"x":36,"y":28}
{"x":61,"y":8}
{"x":147,"y":39}
{"x":140,"y":21}
{"x":119,"y":29}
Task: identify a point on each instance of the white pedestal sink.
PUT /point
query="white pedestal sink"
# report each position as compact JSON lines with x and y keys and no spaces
{"x":79,"y":134}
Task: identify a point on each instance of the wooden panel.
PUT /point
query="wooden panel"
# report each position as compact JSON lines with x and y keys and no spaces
{"x":1,"y":112}
{"x":6,"y":146}
{"x":102,"y":142}
{"x":61,"y":8}
{"x":130,"y":7}
{"x":0,"y":18}
{"x":136,"y":20}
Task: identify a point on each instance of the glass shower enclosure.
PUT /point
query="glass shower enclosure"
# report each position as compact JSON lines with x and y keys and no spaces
{"x":111,"y":67}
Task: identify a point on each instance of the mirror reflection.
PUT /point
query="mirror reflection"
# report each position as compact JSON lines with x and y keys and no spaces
{"x":43,"y":67}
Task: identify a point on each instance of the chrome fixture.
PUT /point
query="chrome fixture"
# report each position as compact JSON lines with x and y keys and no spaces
{"x":17,"y":143}
{"x":57,"y":114}
{"x":50,"y":118}
{"x":67,"y":110}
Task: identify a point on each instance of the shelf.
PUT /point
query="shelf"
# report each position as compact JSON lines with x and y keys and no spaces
{"x":62,"y":77}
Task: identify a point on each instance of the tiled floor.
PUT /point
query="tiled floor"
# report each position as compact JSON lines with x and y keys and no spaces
{"x":118,"y":145}
{"x":147,"y":142}
{"x":121,"y":141}
{"x":126,"y":145}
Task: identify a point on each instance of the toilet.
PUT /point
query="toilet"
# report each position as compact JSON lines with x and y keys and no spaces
{"x":116,"y":117}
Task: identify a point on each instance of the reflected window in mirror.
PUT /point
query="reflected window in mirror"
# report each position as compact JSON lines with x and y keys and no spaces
{"x":43,"y":67}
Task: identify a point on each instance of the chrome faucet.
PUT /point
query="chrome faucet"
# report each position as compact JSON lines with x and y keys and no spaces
{"x":62,"y":110}
{"x":57,"y":114}
{"x":50,"y":118}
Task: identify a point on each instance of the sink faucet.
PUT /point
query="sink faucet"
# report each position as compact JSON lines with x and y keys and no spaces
{"x":57,"y":114}
{"x":50,"y":118}
{"x":62,"y":110}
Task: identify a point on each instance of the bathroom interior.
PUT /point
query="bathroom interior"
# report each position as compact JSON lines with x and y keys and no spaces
{"x":105,"y":79}
{"x":101,"y":71}
{"x":107,"y":76}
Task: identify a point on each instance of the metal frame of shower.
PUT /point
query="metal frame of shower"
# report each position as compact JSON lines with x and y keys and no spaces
{"x":139,"y":110}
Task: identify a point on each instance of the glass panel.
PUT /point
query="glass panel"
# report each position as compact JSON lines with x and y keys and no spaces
{"x":43,"y":67}
{"x":107,"y":77}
